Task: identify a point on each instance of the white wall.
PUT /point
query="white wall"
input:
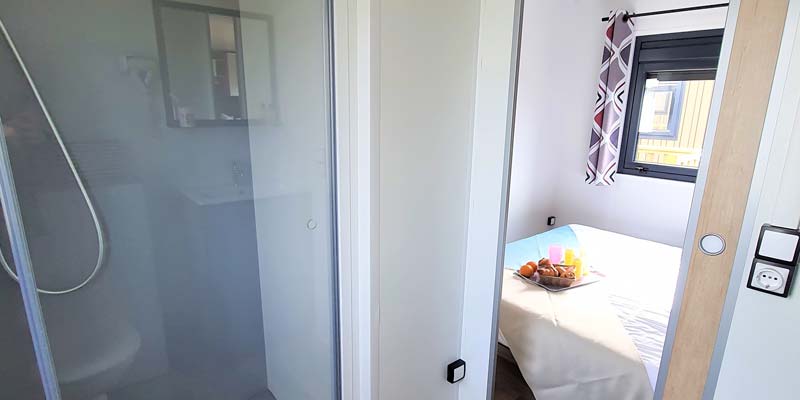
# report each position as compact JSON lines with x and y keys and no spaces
{"x":427,"y":75}
{"x":497,"y":56}
{"x":762,"y":343}
{"x":556,"y":96}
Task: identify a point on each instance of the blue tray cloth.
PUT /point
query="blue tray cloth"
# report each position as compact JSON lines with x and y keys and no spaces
{"x":538,"y":246}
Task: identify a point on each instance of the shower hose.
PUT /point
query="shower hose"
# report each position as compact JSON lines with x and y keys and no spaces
{"x":89,"y":205}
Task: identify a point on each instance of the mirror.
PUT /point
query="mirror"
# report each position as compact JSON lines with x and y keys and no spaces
{"x":205,"y":53}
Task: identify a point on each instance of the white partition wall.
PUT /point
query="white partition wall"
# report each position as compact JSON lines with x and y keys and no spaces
{"x":495,"y":94}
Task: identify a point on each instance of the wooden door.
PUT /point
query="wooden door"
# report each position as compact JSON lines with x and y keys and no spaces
{"x":748,"y":83}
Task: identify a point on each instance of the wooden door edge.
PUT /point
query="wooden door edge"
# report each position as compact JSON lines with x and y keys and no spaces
{"x":748,"y":84}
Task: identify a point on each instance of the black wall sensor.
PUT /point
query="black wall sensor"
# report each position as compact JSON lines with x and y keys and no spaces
{"x":456,"y":371}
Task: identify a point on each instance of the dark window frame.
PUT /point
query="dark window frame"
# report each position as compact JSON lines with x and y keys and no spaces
{"x":678,"y":56}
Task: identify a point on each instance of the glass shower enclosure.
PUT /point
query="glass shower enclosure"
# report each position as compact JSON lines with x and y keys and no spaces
{"x":169,"y":208}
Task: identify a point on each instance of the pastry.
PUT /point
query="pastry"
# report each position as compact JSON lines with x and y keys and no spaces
{"x":533,"y":265}
{"x":545,"y":261}
{"x":526,"y":271}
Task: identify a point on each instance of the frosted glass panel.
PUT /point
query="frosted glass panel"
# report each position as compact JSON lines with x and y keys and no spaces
{"x":218,"y":281}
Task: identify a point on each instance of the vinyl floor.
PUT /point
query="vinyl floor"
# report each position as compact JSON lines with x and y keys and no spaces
{"x":508,"y":381}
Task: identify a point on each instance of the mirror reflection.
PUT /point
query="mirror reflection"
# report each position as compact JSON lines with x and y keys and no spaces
{"x":205,"y":54}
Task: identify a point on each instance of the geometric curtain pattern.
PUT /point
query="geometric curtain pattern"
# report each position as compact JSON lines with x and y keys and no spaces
{"x":609,"y":106}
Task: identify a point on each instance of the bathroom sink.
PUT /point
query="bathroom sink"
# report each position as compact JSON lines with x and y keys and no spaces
{"x":221,"y":194}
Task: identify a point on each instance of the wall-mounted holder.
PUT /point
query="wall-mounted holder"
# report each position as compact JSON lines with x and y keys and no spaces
{"x":775,"y":260}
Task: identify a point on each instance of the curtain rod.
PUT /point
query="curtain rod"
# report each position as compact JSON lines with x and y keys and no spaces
{"x":676,"y":10}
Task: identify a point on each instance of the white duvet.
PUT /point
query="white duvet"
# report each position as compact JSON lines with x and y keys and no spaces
{"x":602,"y":341}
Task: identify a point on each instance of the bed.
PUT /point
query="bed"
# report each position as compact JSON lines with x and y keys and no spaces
{"x":601,"y":341}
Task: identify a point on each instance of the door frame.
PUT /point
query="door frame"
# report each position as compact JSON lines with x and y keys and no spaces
{"x":477,"y":288}
{"x":773,"y":199}
{"x":355,"y":101}
{"x":699,"y":190}
{"x":773,"y":137}
{"x":499,"y":38}
{"x":739,"y":112}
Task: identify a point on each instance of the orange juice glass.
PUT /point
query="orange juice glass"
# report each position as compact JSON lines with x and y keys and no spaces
{"x":569,"y":257}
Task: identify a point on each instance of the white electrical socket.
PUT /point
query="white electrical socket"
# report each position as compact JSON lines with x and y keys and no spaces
{"x":769,"y":277}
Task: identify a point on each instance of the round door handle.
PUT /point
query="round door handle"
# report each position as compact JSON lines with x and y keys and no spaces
{"x":712,"y":244}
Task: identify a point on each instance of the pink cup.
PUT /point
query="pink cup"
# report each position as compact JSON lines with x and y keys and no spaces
{"x":556,"y":254}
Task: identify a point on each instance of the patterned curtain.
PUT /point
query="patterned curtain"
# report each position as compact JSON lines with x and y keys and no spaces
{"x":609,"y":107}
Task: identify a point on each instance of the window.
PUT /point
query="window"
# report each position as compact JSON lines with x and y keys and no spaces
{"x":661,"y":105}
{"x":672,"y":80}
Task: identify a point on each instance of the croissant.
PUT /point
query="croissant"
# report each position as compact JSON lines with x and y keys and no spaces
{"x":545,"y":261}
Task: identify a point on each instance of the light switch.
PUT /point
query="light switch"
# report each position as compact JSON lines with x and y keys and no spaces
{"x":778,"y":244}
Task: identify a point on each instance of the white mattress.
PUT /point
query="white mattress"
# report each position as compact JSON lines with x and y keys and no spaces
{"x":639,"y":287}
